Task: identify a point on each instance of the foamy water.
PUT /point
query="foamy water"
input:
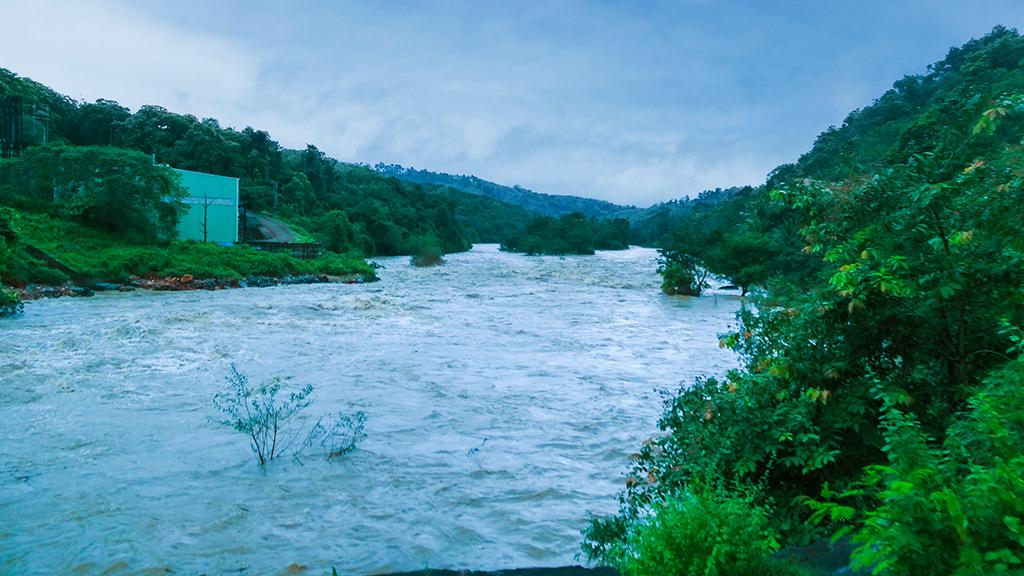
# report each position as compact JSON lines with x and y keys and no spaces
{"x":504,"y":394}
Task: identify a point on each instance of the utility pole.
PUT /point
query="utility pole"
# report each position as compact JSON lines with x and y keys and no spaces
{"x":206,"y":215}
{"x":245,"y":224}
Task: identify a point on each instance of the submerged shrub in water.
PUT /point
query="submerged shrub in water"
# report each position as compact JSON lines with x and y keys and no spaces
{"x":257,"y":412}
{"x":337,"y":434}
{"x":9,"y":303}
{"x":426,"y":251}
{"x":681,"y":274}
{"x":260,"y":414}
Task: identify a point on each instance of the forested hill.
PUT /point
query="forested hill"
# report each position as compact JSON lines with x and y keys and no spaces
{"x":881,"y":397}
{"x":925,"y":122}
{"x":920,"y":114}
{"x":544,"y":204}
{"x":348,"y":208}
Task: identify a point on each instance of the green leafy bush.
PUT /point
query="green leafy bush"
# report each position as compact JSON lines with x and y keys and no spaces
{"x":426,"y":251}
{"x":954,"y":507}
{"x":257,"y":413}
{"x":337,"y":434}
{"x":10,"y":304}
{"x":8,"y":225}
{"x":681,"y":274}
{"x":708,"y":532}
{"x":8,"y":239}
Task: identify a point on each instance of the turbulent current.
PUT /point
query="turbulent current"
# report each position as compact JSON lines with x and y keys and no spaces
{"x":503,"y":395}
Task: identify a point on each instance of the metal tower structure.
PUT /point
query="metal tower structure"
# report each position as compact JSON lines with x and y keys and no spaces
{"x":12,"y":134}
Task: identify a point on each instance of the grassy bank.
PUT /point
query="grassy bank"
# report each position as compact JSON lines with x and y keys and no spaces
{"x":92,"y":255}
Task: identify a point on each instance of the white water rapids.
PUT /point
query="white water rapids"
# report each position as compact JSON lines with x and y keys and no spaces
{"x":504,"y":394}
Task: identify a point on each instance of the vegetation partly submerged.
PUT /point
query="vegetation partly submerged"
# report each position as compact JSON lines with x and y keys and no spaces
{"x":881,"y":395}
{"x":570,"y":234}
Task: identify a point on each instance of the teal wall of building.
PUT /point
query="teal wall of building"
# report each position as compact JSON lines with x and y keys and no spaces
{"x":219,"y":196}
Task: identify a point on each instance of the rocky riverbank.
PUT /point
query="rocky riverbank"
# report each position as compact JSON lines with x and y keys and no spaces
{"x":179,"y":283}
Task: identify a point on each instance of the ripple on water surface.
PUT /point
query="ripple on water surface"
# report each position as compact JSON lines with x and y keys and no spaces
{"x":503,"y":392}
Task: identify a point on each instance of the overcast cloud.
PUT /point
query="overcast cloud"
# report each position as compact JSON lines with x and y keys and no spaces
{"x":633,"y":102}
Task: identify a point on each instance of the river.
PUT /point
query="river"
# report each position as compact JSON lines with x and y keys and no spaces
{"x":503,"y":393}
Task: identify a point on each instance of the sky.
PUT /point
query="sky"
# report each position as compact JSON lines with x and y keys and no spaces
{"x":629,"y":101}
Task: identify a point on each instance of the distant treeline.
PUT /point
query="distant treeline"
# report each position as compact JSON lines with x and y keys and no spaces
{"x":570,"y":234}
{"x":543,"y":204}
{"x":656,"y":226}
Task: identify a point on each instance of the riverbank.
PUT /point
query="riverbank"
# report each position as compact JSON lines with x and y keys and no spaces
{"x":60,"y":256}
{"x":181,"y":283}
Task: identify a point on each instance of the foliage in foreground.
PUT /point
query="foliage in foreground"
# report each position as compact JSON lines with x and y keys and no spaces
{"x":270,"y":422}
{"x":931,"y":499}
{"x":887,"y":375}
{"x":704,"y":532}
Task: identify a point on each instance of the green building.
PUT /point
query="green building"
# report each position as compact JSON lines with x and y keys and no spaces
{"x":212,"y":208}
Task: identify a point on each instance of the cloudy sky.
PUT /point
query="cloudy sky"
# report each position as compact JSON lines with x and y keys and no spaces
{"x":629,"y":101}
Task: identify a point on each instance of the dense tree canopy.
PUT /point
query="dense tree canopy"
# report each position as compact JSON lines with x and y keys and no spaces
{"x":570,"y":234}
{"x":880,"y":398}
{"x":384,"y":215}
{"x":108,"y":188}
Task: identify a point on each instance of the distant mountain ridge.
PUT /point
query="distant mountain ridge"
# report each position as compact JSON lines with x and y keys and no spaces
{"x":537,"y":202}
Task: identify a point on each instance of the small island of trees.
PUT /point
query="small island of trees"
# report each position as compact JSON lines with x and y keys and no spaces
{"x":573,"y":233}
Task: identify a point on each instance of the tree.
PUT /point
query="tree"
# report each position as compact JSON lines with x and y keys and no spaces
{"x":682,"y":274}
{"x":890,"y":380}
{"x":109,"y":188}
{"x":204,"y":225}
{"x":298,"y":194}
{"x":154,"y":130}
{"x":96,"y":123}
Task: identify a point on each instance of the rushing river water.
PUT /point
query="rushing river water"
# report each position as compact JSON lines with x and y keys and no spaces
{"x":504,"y":395}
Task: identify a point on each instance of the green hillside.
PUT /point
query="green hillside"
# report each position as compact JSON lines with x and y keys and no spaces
{"x":81,"y":163}
{"x":881,"y":398}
